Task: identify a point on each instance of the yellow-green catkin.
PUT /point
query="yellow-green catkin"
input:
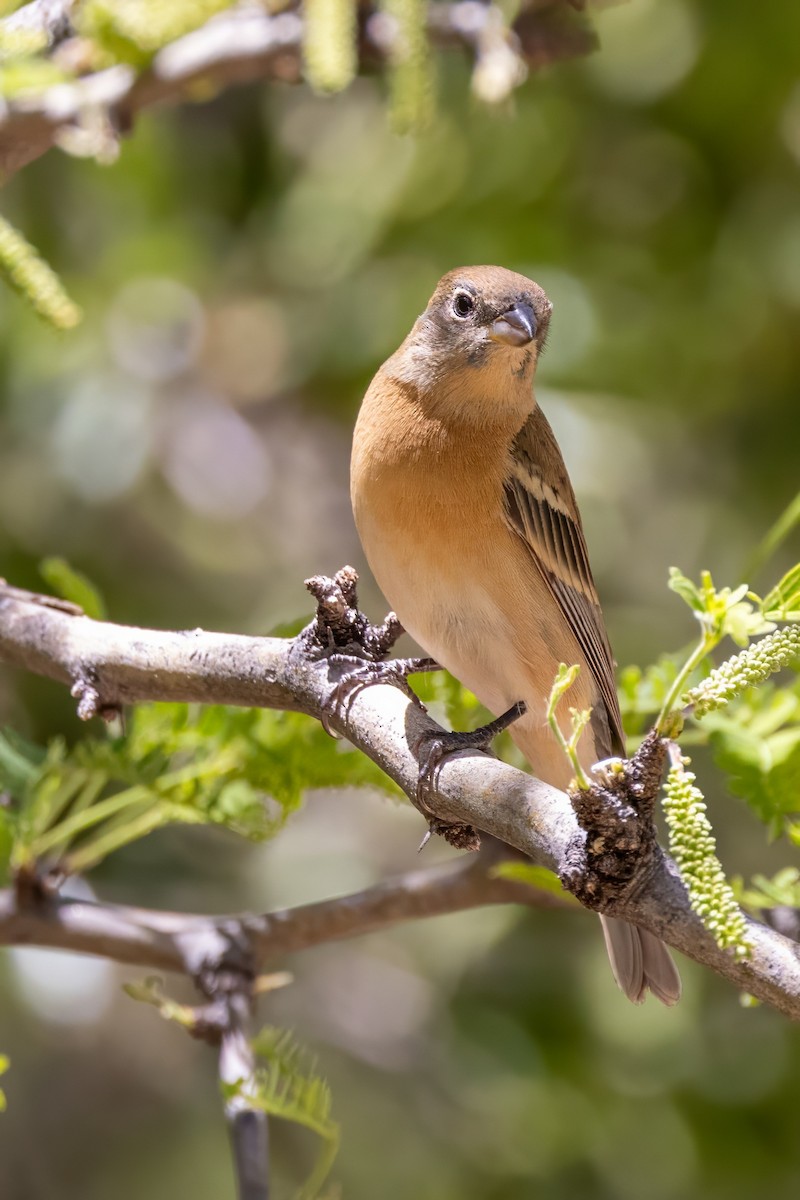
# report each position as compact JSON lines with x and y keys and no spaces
{"x":330,"y":51}
{"x":35,"y":280}
{"x":753,"y":666}
{"x":411,"y":80}
{"x":147,"y":24}
{"x":693,"y":847}
{"x":20,"y":42}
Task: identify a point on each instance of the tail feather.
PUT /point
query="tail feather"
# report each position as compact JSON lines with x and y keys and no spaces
{"x":639,"y":961}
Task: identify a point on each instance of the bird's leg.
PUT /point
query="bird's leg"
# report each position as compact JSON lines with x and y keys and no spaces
{"x":433,"y":749}
{"x":364,"y":673}
{"x":342,"y":635}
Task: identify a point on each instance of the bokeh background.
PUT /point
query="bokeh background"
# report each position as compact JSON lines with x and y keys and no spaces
{"x":245,"y":267}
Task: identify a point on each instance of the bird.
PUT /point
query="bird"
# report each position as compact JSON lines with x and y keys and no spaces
{"x":471,"y":528}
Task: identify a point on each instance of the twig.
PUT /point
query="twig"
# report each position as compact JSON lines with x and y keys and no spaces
{"x":247,"y":1124}
{"x":123,"y":665}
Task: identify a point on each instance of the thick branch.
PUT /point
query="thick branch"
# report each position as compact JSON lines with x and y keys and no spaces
{"x":247,"y":43}
{"x":129,"y":664}
{"x":115,"y":664}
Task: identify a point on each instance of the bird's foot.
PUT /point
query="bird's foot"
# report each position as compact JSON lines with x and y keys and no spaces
{"x":433,"y":749}
{"x":365,"y":672}
{"x":355,"y":649}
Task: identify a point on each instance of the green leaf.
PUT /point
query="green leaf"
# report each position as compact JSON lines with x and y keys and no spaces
{"x":7,"y":835}
{"x":289,"y":1087}
{"x":40,"y":799}
{"x":247,"y":770}
{"x":565,"y":678}
{"x":536,"y":877}
{"x":462,"y":710}
{"x":742,"y":621}
{"x":4,"y":1065}
{"x":19,"y":761}
{"x":722,"y":612}
{"x":74,"y":586}
{"x":776,"y":536}
{"x":149,"y":991}
{"x":785,"y":596}
{"x":761,"y":761}
{"x":683,"y":587}
{"x":290,"y":629}
{"x":642,"y":692}
{"x":782,"y":889}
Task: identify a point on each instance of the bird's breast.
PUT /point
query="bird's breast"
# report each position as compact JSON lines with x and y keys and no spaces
{"x":454,"y":573}
{"x":463,"y":584}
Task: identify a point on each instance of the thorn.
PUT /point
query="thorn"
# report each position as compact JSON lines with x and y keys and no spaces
{"x":425,"y":840}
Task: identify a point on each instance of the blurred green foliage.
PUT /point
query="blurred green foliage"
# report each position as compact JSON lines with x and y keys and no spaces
{"x":246,"y":770}
{"x":783,"y":888}
{"x":64,"y":581}
{"x":243,"y":269}
{"x":758,"y":747}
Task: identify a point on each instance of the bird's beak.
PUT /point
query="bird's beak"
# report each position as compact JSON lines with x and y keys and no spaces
{"x":516,"y":326}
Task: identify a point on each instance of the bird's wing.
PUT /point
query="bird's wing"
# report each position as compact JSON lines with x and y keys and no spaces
{"x":541,"y":508}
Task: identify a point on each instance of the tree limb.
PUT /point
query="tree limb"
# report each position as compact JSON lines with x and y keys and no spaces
{"x":246,"y":43}
{"x":113,"y":665}
{"x":199,"y":945}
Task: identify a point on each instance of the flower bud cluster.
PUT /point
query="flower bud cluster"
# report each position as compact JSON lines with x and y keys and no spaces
{"x":751,"y":667}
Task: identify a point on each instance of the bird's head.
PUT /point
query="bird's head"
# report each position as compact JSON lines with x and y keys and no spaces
{"x":480,"y":336}
{"x":478,"y":312}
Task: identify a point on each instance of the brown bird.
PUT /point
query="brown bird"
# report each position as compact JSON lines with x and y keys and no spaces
{"x":470,"y":525}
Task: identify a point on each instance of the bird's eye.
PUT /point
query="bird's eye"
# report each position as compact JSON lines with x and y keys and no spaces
{"x":463,"y":304}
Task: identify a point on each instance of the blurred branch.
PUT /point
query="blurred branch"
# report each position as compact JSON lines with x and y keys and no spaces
{"x":247,"y":1124}
{"x":108,"y":665}
{"x":246,"y":43}
{"x":224,"y":1021}
{"x":201,"y":946}
{"x":785,"y":919}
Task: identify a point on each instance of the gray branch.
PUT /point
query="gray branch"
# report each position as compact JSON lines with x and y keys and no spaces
{"x":247,"y":1123}
{"x":109,"y":665}
{"x":197,"y":945}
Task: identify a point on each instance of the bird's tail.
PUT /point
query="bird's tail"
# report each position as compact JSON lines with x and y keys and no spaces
{"x":640,"y":961}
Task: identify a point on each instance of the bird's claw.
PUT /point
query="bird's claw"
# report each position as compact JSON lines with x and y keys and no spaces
{"x":463,"y":837}
{"x":433,"y":749}
{"x":365,"y":673}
